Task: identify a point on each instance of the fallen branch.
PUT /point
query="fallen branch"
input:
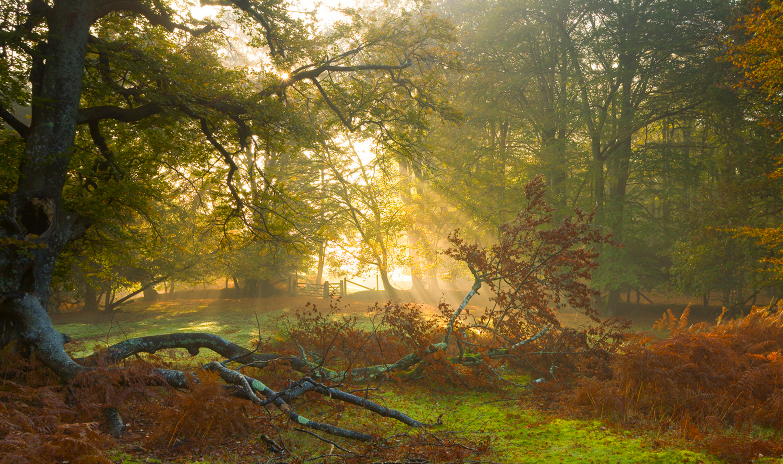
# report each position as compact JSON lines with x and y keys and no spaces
{"x":308,"y":384}
{"x":193,"y":343}
{"x":506,"y":351}
{"x":249,"y":385}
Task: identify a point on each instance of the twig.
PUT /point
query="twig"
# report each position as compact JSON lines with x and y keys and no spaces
{"x":323,"y":439}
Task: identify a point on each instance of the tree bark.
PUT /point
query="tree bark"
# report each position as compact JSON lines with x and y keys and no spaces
{"x":34,"y":218}
{"x":321,"y":259}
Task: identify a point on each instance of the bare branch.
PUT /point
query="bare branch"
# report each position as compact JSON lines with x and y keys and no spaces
{"x":15,"y":124}
{"x":477,"y":279}
{"x":232,"y":166}
{"x":323,"y":439}
{"x":334,"y":107}
{"x":249,"y":385}
{"x":191,"y":342}
{"x":100,"y":142}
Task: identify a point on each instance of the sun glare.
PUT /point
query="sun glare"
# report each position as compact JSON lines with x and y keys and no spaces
{"x":200,"y":12}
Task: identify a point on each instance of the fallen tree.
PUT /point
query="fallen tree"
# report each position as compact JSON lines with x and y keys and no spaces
{"x":539,"y":266}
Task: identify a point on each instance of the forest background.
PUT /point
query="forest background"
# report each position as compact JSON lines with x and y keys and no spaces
{"x":636,"y":111}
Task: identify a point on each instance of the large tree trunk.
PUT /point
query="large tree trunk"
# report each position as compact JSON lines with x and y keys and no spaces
{"x":34,"y":218}
{"x":620,"y":165}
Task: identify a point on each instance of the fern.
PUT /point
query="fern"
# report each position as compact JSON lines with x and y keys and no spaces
{"x":725,"y":377}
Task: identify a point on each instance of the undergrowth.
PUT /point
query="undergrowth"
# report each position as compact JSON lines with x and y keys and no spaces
{"x":37,"y":424}
{"x":718,"y":386}
{"x":44,"y":421}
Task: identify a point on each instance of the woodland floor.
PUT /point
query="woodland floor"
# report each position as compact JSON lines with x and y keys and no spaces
{"x":516,"y":428}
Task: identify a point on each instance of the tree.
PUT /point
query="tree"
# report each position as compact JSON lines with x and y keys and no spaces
{"x":755,"y":50}
{"x":367,"y":198}
{"x":757,"y":46}
{"x":534,"y":269}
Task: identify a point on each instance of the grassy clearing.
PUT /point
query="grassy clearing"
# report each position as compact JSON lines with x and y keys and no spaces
{"x":234,"y":320}
{"x":520,"y":435}
{"x":517,"y":433}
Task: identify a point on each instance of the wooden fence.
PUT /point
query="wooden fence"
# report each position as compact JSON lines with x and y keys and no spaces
{"x":325,"y":290}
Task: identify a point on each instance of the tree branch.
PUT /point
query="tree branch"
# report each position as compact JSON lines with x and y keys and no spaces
{"x":192,"y":342}
{"x":15,"y":124}
{"x":313,"y":73}
{"x":100,"y":142}
{"x":104,"y":67}
{"x":331,"y":104}
{"x":473,"y":290}
{"x":247,"y":7}
{"x":97,"y":113}
{"x":232,"y":166}
{"x":161,"y":18}
{"x":143,"y":287}
{"x":248,"y":384}
{"x":309,"y":384}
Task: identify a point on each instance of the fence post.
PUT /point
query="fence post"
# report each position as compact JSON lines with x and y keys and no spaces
{"x":326,"y":290}
{"x":290,"y":287}
{"x":295,"y":285}
{"x":342,"y":288}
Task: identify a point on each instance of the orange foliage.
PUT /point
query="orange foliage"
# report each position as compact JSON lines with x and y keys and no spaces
{"x":758,"y":54}
{"x":335,"y":341}
{"x":205,"y":415}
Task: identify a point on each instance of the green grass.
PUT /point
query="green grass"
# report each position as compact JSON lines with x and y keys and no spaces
{"x":517,"y":433}
{"x":234,"y":320}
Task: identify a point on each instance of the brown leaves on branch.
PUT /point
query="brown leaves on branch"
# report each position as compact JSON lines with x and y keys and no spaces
{"x":537,"y":266}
